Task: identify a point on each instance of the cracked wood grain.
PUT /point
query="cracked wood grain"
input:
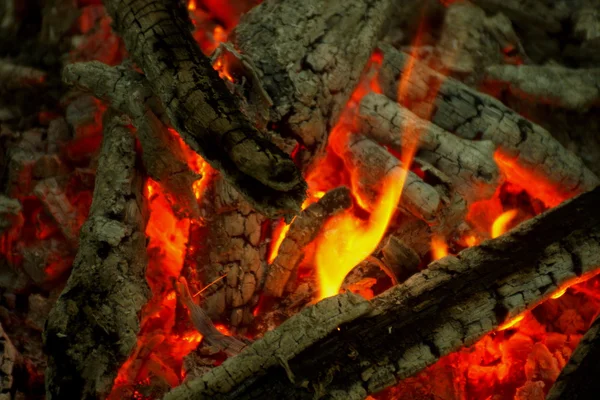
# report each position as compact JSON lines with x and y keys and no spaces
{"x":201,"y":108}
{"x":468,"y":164}
{"x":579,"y":378}
{"x":303,"y":230}
{"x":473,"y":115}
{"x":93,"y":326}
{"x":311,"y":54}
{"x":451,"y":304}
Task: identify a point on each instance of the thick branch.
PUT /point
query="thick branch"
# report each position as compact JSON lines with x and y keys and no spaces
{"x":94,"y":324}
{"x":451,"y":304}
{"x":579,"y":379}
{"x":201,"y":108}
{"x":524,"y":146}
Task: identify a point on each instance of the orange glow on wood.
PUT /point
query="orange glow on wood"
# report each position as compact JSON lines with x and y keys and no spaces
{"x":439,"y":247}
{"x":500,"y":225}
{"x":511,"y":323}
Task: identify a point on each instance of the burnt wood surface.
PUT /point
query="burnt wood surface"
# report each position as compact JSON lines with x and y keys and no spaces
{"x":347,"y":347}
{"x":93,"y":326}
{"x":158,"y":37}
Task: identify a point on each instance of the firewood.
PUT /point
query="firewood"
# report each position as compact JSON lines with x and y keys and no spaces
{"x":130,"y":93}
{"x":10,"y":213}
{"x":303,"y":229}
{"x":468,"y":164}
{"x":363,"y":347}
{"x":94,"y":324}
{"x":579,"y":378}
{"x":572,"y":89}
{"x":201,"y":108}
{"x":371,"y":161}
{"x":586,"y":20}
{"x":471,"y":114}
{"x":9,"y":359}
{"x":311,"y":55}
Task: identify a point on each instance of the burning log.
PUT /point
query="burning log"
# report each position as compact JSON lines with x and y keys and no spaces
{"x":311,"y":55}
{"x":468,"y":164}
{"x":130,"y":93}
{"x":93,"y":326}
{"x":201,"y":108}
{"x":370,"y":162}
{"x":579,"y":378}
{"x":525,"y":151}
{"x":452,"y":303}
{"x":572,"y":89}
{"x":303,"y":230}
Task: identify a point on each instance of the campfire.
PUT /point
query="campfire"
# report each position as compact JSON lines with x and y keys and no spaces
{"x":299,"y":199}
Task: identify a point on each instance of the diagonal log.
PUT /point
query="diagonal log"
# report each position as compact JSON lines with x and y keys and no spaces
{"x":94,"y":324}
{"x":526,"y":151}
{"x":579,"y":379}
{"x":363,"y":347}
{"x":201,"y":108}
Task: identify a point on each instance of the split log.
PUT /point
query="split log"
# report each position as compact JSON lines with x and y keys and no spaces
{"x":201,"y":108}
{"x":311,"y":55}
{"x":370,"y":162}
{"x":525,"y":148}
{"x":572,"y":89}
{"x":303,"y":230}
{"x":93,"y":326}
{"x":130,"y":93}
{"x":363,"y":347}
{"x":468,"y":164}
{"x":579,"y":378}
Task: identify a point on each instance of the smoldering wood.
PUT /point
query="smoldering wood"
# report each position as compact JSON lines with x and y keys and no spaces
{"x":371,"y":162}
{"x":402,"y":260}
{"x":554,"y":85}
{"x":10,"y":210}
{"x":211,"y":336}
{"x":57,"y":204}
{"x":470,"y":114}
{"x":468,"y":164}
{"x":303,"y":230}
{"x":579,"y":378}
{"x":130,"y":93}
{"x":451,"y":304}
{"x":586,"y":20}
{"x":9,"y":359}
{"x":201,"y":108}
{"x":93,"y":326}
{"x":311,"y":55}
{"x":232,"y":247}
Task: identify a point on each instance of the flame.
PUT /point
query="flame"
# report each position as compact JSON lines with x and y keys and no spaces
{"x":278,"y":235}
{"x":346,"y":240}
{"x":511,"y":322}
{"x":500,"y":225}
{"x":191,"y":5}
{"x":439,"y":247}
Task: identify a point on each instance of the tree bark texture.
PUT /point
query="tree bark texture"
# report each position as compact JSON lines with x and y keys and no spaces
{"x":93,"y":326}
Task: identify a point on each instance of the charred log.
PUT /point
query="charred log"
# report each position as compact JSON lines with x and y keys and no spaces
{"x":94,"y":324}
{"x":346,"y":347}
{"x":579,"y":378}
{"x":311,"y":55}
{"x":522,"y":145}
{"x":201,"y":108}
{"x":303,"y":229}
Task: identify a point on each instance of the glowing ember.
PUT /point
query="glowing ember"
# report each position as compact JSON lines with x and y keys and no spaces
{"x":191,"y":5}
{"x":500,"y":225}
{"x":511,"y":323}
{"x":278,"y":236}
{"x":439,"y":247}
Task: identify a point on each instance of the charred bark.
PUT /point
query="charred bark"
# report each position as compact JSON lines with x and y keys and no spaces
{"x":579,"y":378}
{"x":346,"y":347}
{"x":94,"y":324}
{"x":200,"y":107}
{"x":471,"y":114}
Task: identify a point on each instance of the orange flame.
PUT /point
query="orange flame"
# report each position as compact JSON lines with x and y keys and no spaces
{"x":511,"y":322}
{"x":278,"y":235}
{"x":439,"y":247}
{"x":191,"y":5}
{"x":500,"y":225}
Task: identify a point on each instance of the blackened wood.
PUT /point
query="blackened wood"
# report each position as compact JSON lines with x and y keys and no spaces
{"x":451,"y":304}
{"x":93,"y":326}
{"x":201,"y":108}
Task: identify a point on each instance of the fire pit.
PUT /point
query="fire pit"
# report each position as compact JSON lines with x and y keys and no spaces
{"x":299,"y":199}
